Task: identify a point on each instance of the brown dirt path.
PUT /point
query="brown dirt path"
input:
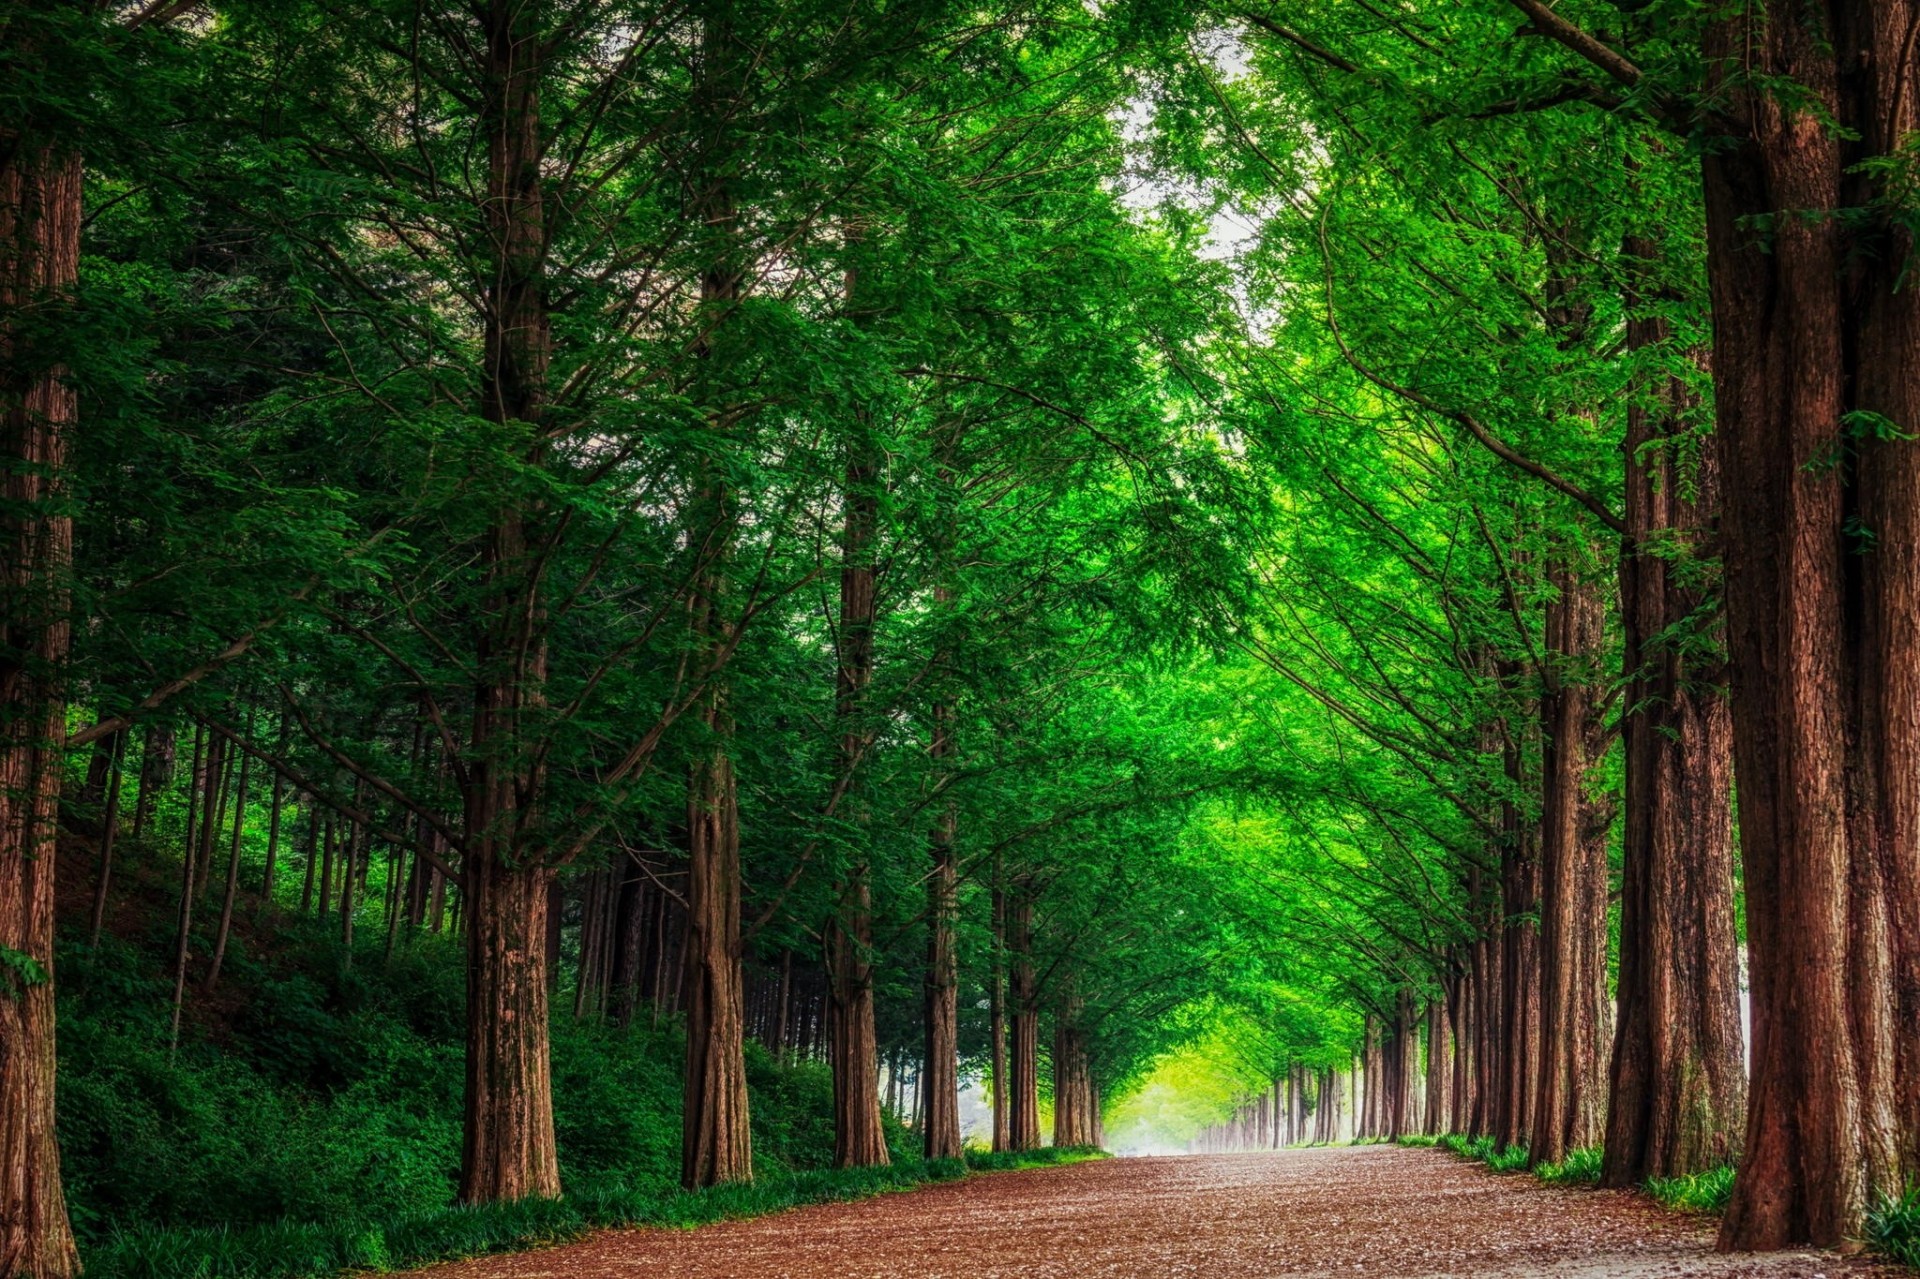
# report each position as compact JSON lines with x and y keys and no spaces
{"x":1357,"y":1213}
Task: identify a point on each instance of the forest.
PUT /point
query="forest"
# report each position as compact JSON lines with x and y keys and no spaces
{"x":640,"y":611}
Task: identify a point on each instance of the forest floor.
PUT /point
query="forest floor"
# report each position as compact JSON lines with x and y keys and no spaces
{"x":1347,"y":1211}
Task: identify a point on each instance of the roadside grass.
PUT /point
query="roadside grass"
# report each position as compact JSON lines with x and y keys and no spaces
{"x":318,"y":1250}
{"x":1893,"y":1228}
{"x":1512,"y":1159}
{"x":1705,"y":1192}
{"x":1580,"y":1168}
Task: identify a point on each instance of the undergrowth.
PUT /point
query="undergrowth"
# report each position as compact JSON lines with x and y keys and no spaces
{"x":1512,"y":1159}
{"x":312,"y":1251}
{"x":1580,"y":1168}
{"x":1702,"y":1192}
{"x":1893,"y":1228}
{"x":1418,"y":1139}
{"x":309,"y":1122}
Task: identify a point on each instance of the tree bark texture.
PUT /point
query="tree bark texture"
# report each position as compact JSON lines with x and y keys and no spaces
{"x":1568,"y":1111}
{"x":1816,"y":366}
{"x":1677,"y":1083}
{"x":942,"y":1067}
{"x":509,"y":1151}
{"x":40,"y":188}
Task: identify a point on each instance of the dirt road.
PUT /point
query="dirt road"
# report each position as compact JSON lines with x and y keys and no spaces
{"x":1350,"y":1212}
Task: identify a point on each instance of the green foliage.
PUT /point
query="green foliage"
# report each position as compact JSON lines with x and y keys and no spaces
{"x":1580,"y":1168}
{"x":403,"y":1241}
{"x":1418,"y":1139}
{"x":1706,"y":1192}
{"x":1893,"y":1228}
{"x":1483,"y":1149}
{"x":333,"y":1095}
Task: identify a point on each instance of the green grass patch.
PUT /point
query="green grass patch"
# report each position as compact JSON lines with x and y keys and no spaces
{"x":1893,"y":1228}
{"x":1418,"y":1139}
{"x":315,"y":1251}
{"x":1512,"y":1159}
{"x":1580,"y":1168}
{"x":1702,"y":1192}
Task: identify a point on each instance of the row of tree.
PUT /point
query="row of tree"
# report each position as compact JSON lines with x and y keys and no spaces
{"x":684,"y":492}
{"x":1590,"y":368}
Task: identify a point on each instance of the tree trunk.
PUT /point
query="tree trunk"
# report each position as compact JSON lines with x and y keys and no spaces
{"x":942,"y":1069}
{"x":716,"y":1141}
{"x":1570,"y":1090}
{"x":509,"y":1150}
{"x":997,"y":1017}
{"x":109,"y":830}
{"x":1023,"y":1108}
{"x":1817,"y":374}
{"x":1514,"y":1057}
{"x":1678,"y":1076}
{"x":39,"y":260}
{"x":858,"y":1138}
{"x":1073,"y":1113}
{"x":233,"y":876}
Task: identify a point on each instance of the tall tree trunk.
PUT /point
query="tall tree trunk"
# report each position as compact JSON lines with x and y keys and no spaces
{"x":1073,"y":1107}
{"x":232,"y":890}
{"x":858,"y":1139}
{"x":1677,"y":1086}
{"x":1567,"y":1111}
{"x":39,"y":263}
{"x":1817,"y":374}
{"x":1515,"y":1055}
{"x":109,"y":831}
{"x":1023,"y":1109}
{"x":942,"y":1069}
{"x":997,"y":1016}
{"x":716,"y":1142}
{"x":508,"y":1151}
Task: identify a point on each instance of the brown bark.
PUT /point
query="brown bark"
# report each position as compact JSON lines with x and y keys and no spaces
{"x":1570,"y":1088}
{"x":225,"y":930}
{"x":716,"y":1141}
{"x":40,"y":188}
{"x":1516,"y":1034}
{"x":942,"y":1068}
{"x":109,"y":831}
{"x":858,"y":1138}
{"x":1817,"y":375}
{"x":1023,"y":1099}
{"x":1075,"y":1113}
{"x":854,"y":1053}
{"x":997,"y":1017}
{"x":1677,"y":1084}
{"x":509,"y":1150}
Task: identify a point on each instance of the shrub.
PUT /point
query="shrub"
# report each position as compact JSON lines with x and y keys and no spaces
{"x":1580,"y":1168}
{"x":1702,"y":1192}
{"x":1893,"y":1228}
{"x":1418,"y":1139}
{"x":1512,"y":1159}
{"x":315,"y":1251}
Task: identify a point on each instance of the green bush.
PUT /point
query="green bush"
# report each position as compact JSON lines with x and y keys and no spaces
{"x":1893,"y":1228}
{"x":287,"y":1251}
{"x":1580,"y":1168}
{"x":1512,"y":1159}
{"x":1418,"y":1139}
{"x":330,"y":1093}
{"x":1707,"y":1191}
